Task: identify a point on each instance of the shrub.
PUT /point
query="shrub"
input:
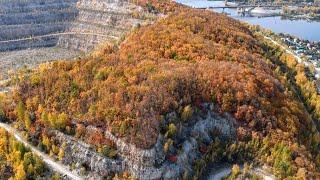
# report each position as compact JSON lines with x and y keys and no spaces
{"x":282,"y":161}
{"x":172,"y":129}
{"x":235,"y":171}
{"x":186,"y":113}
{"x":167,"y":145}
{"x":108,"y":151}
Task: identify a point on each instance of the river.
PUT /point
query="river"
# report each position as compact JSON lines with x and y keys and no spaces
{"x":304,"y":29}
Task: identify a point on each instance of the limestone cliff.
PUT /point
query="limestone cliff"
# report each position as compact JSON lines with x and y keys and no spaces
{"x":80,"y":25}
{"x":149,"y":163}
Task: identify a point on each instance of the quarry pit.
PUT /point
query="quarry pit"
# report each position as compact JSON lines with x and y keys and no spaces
{"x":37,"y":31}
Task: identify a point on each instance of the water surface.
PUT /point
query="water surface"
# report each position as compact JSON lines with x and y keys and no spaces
{"x":304,"y":29}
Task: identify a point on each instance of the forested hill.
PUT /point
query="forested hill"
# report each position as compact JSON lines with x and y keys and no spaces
{"x":178,"y":64}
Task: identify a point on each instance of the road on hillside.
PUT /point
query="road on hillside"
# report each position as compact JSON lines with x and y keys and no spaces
{"x":55,"y":166}
{"x":286,"y":49}
{"x":56,"y":34}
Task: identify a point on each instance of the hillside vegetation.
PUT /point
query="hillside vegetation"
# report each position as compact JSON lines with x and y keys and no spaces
{"x":177,"y":64}
{"x":18,"y":162}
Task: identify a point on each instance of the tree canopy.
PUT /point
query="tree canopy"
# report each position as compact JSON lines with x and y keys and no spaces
{"x":189,"y":58}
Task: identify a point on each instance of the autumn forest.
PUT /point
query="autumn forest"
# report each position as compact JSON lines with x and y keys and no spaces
{"x":178,"y":64}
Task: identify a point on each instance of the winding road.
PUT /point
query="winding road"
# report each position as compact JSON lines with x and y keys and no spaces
{"x":286,"y":49}
{"x":56,"y":34}
{"x":64,"y":170}
{"x":55,"y":166}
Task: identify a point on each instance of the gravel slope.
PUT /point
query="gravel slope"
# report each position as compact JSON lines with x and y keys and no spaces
{"x":14,"y":60}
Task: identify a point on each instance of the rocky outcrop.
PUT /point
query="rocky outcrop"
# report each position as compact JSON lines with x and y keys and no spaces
{"x":83,"y":26}
{"x":10,"y":32}
{"x":106,"y":20}
{"x":112,"y":18}
{"x":38,"y":17}
{"x":80,"y":153}
{"x":11,"y":60}
{"x":142,"y":163}
{"x":82,"y":42}
{"x":20,"y":20}
{"x":76,"y":25}
{"x":89,"y":27}
{"x":151,"y":163}
{"x":18,"y":6}
{"x":28,"y":43}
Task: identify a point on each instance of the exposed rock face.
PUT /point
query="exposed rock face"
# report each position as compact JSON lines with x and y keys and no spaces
{"x":27,"y":43}
{"x":76,"y":25}
{"x":22,"y":19}
{"x":17,"y":31}
{"x":82,"y":25}
{"x":18,"y":6}
{"x":151,"y":163}
{"x":112,"y":19}
{"x":87,"y":22}
{"x":78,"y":152}
{"x":31,"y":57}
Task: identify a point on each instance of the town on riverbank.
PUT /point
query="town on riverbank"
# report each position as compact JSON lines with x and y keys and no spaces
{"x":305,"y":49}
{"x":305,"y":52}
{"x":308,"y":51}
{"x":309,"y":10}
